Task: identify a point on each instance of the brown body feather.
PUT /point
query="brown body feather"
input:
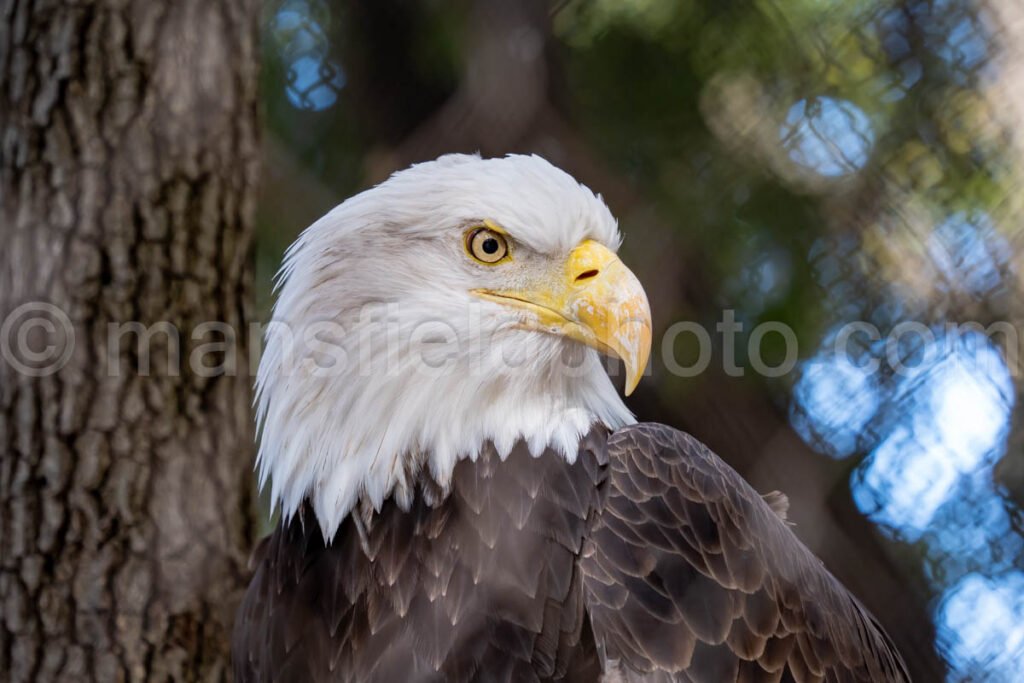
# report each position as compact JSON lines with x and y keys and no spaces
{"x":648,"y":558}
{"x":692,"y":576}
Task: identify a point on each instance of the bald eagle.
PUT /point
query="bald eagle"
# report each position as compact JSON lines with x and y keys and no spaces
{"x":465,"y":497}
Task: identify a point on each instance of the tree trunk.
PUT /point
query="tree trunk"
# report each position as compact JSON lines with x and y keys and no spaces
{"x":128,"y":161}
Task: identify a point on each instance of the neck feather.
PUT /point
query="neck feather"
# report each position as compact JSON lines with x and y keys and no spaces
{"x":364,"y":433}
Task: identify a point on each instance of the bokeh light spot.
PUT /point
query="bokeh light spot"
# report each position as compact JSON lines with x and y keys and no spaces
{"x":314,"y":84}
{"x":296,"y":33}
{"x":830,"y":136}
{"x":980,"y":625}
{"x":969,"y":253}
{"x":954,"y":411}
{"x":834,"y":400}
{"x":959,"y":35}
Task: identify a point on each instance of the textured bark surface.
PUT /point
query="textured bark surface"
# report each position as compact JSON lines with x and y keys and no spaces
{"x":128,"y":160}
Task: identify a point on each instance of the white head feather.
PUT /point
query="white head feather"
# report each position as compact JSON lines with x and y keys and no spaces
{"x":380,"y":362}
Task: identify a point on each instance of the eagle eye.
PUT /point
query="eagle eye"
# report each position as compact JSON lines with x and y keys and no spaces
{"x":486,"y":245}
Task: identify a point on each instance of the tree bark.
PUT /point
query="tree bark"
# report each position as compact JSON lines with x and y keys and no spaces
{"x":128,"y":162}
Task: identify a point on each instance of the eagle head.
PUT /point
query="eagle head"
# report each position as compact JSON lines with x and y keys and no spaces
{"x":461,"y":304}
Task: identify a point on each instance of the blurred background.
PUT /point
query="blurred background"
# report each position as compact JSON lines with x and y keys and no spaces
{"x":812,"y":162}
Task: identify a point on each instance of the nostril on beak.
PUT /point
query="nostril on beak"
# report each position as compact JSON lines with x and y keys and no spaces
{"x":586,"y":275}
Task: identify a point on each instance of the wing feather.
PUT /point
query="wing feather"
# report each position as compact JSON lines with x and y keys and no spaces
{"x":692,"y":576}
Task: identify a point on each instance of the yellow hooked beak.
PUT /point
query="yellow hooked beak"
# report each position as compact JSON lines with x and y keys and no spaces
{"x":595,"y":300}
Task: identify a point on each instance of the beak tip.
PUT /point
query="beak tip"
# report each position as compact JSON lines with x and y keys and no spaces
{"x":632,"y":382}
{"x":636,"y":363}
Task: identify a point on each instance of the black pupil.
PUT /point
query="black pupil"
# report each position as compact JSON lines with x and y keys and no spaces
{"x":490,"y":246}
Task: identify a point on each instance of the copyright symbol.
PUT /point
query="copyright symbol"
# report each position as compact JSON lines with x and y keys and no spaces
{"x":37,"y":339}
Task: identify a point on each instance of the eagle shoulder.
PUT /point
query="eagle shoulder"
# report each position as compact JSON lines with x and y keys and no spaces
{"x":691,"y":575}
